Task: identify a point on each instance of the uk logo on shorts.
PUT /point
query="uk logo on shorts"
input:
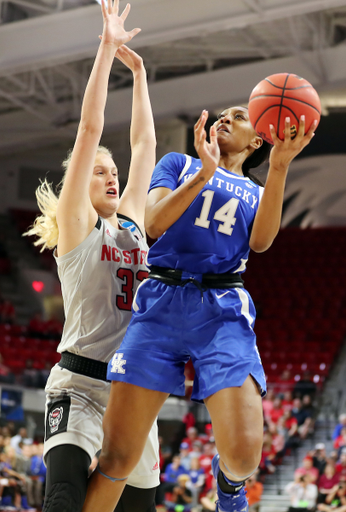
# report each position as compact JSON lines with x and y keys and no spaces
{"x":55,"y":418}
{"x":117,"y":363}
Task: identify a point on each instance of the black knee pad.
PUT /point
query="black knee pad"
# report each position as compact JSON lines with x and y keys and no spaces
{"x":63,"y":497}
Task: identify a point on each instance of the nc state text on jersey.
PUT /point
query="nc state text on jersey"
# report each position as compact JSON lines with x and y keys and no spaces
{"x":135,"y":256}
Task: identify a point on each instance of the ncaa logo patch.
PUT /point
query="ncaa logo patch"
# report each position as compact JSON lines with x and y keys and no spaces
{"x":130,"y":226}
{"x":55,"y":418}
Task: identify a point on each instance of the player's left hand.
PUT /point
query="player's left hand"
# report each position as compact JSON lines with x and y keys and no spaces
{"x":114,"y":32}
{"x":284,"y":151}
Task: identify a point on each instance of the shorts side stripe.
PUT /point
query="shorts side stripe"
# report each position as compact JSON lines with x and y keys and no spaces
{"x":245,"y":310}
{"x":135,"y":306}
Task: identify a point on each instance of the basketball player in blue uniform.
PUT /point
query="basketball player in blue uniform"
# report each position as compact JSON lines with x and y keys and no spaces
{"x":100,"y":249}
{"x":206,"y":214}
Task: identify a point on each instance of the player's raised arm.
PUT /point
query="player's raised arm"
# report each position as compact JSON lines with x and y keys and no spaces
{"x":164,"y":207}
{"x":268,"y":218}
{"x":142,"y":139}
{"x":76,"y":216}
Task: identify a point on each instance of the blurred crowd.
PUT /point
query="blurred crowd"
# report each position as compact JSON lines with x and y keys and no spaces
{"x":30,"y":376}
{"x":187,"y":482}
{"x":22,"y":471}
{"x":320,"y":483}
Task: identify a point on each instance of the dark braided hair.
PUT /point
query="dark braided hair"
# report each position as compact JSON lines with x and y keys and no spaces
{"x":258,"y":157}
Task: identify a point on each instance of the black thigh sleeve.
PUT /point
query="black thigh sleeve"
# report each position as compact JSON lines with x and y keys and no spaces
{"x":134,"y":499}
{"x":67,"y":479}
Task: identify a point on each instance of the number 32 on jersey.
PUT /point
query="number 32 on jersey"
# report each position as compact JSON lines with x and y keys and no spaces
{"x":124,"y":301}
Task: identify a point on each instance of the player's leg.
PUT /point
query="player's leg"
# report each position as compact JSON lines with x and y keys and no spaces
{"x":67,"y":478}
{"x":130,"y":414}
{"x":134,"y":499}
{"x":140,"y":490}
{"x":237,"y":420}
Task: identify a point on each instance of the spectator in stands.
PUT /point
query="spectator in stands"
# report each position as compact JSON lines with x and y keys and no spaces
{"x":7,"y":312}
{"x":165,"y":453}
{"x":21,"y":437}
{"x":267,"y":402}
{"x":268,"y":455}
{"x":37,"y":326}
{"x":339,"y":426}
{"x":197,"y":449}
{"x":30,"y":376}
{"x":335,"y":500}
{"x":276,"y":412}
{"x":189,"y":419}
{"x":254,"y":491}
{"x":192,"y":435}
{"x":208,"y":501}
{"x":305,"y":386}
{"x":303,"y":494}
{"x":209,"y":450}
{"x":288,"y":426}
{"x":278,"y":439}
{"x":303,"y":417}
{"x":319,"y":457}
{"x":340,"y":467}
{"x":340,"y":441}
{"x":43,"y":374}
{"x":326,"y":482}
{"x":6,"y":376}
{"x":197,"y":479}
{"x":185,"y":459}
{"x":169,"y":478}
{"x":181,"y":497}
{"x":23,"y":459}
{"x":37,"y":477}
{"x":308,"y":406}
{"x":287,"y":402}
{"x":54,"y":328}
{"x":308,"y":469}
{"x":285,"y":382}
{"x":206,"y":457}
{"x":13,"y":483}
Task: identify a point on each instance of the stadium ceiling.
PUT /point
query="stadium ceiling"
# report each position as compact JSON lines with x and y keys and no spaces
{"x":198,"y":54}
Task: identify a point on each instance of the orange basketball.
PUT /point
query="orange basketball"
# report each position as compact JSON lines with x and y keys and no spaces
{"x":280,"y":96}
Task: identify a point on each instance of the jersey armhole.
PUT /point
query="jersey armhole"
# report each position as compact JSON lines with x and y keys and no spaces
{"x":98,"y":223}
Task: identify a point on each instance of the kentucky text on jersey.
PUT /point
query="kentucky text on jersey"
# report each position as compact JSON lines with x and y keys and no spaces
{"x":212,"y":235}
{"x":135,"y":256}
{"x":230,"y":187}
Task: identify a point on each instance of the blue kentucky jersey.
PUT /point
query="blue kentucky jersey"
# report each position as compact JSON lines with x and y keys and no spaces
{"x":212,"y":235}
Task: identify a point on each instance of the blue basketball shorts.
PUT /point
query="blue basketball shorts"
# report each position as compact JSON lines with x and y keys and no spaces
{"x":171,"y":324}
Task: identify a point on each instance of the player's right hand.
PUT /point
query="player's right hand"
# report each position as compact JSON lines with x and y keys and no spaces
{"x":208,"y":152}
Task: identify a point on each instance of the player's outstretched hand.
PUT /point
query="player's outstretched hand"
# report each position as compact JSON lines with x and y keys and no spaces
{"x":208,"y":152}
{"x":130,"y":58}
{"x":284,"y":151}
{"x":114,"y":32}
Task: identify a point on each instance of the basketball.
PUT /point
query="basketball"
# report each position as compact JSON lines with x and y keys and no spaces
{"x":280,"y":96}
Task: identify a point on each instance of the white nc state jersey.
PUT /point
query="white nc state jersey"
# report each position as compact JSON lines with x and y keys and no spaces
{"x":99,"y":279}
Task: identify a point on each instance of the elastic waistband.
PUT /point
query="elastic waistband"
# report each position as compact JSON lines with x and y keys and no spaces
{"x":83,"y":366}
{"x":172,"y":276}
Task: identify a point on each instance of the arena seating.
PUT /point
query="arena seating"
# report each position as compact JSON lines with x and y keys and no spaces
{"x":296,"y":286}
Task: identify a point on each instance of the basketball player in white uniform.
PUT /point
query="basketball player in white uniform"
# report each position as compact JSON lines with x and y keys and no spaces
{"x":101,"y":254}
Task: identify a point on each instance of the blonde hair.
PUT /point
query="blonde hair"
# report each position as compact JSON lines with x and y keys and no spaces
{"x":45,"y":226}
